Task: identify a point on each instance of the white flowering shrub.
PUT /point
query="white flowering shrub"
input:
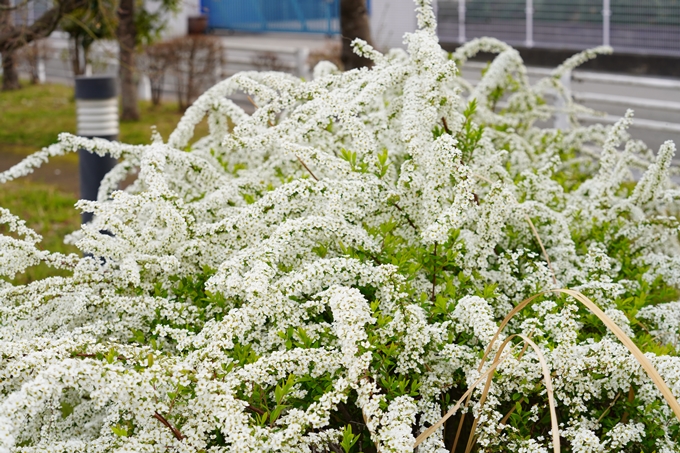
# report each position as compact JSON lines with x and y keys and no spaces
{"x":326,"y":273}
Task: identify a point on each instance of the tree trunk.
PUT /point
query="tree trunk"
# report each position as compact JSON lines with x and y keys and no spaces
{"x":75,"y":57}
{"x":10,"y":77}
{"x":34,"y":55}
{"x":354,"y":24}
{"x":127,"y":34}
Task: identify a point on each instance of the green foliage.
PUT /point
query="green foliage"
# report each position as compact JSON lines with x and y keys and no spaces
{"x":348,"y":439}
{"x":99,"y":21}
{"x":150,"y":22}
{"x":87,"y":25}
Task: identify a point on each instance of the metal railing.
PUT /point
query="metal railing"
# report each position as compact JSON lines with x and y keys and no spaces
{"x":635,"y":26}
{"x":628,"y":101}
{"x":238,"y":56}
{"x":580,"y":83}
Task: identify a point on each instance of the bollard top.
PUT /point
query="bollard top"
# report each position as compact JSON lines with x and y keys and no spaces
{"x":96,"y":87}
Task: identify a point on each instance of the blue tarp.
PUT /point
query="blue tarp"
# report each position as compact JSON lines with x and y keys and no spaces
{"x":306,"y":16}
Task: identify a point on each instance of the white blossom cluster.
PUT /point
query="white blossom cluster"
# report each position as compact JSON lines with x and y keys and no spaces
{"x":342,"y":257}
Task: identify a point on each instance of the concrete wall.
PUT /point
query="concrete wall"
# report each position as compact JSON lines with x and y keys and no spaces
{"x":390,"y":19}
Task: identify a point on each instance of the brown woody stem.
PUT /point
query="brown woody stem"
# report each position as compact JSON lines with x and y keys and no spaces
{"x":306,"y":168}
{"x":446,"y":126}
{"x":434,"y":274}
{"x":175,"y":432}
{"x":408,"y":219}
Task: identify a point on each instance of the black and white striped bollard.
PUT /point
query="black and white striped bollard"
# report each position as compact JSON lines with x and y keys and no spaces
{"x":97,"y":112}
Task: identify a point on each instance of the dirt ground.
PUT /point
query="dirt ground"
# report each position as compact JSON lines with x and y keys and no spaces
{"x":59,"y":171}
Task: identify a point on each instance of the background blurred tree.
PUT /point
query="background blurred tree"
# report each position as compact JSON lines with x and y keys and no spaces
{"x":10,"y":76}
{"x":85,"y":26}
{"x":137,"y":25}
{"x":13,"y":37}
{"x":156,"y":61}
{"x":32,"y":55}
{"x":195,"y":61}
{"x":354,"y":24}
{"x":127,"y":43}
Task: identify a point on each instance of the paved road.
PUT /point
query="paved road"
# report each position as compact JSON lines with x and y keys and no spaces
{"x":654,"y":139}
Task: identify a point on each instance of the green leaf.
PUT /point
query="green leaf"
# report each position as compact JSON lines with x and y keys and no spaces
{"x":111,"y":356}
{"x":348,"y":439}
{"x":276,"y":412}
{"x":120,"y":431}
{"x":66,"y":409}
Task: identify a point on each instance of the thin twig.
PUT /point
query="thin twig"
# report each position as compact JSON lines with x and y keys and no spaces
{"x":175,"y":432}
{"x":255,"y":409}
{"x":446,"y":126}
{"x":631,"y":398}
{"x":374,"y":258}
{"x":606,"y":411}
{"x":545,"y":254}
{"x":645,"y":329}
{"x":298,"y":157}
{"x":408,"y":219}
{"x":434,"y":273}
{"x":255,"y":105}
{"x":119,"y":357}
{"x":306,"y":168}
{"x":253,"y":102}
{"x":458,"y":431}
{"x":172,"y":402}
{"x":510,"y":412}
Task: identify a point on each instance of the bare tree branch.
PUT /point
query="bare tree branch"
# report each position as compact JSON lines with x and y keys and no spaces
{"x":14,"y":7}
{"x":15,"y":37}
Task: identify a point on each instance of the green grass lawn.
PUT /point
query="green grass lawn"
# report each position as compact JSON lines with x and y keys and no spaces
{"x":48,"y":211}
{"x":32,"y":118}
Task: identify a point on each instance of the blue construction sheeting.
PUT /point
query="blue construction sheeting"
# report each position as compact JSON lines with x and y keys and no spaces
{"x":299,"y":16}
